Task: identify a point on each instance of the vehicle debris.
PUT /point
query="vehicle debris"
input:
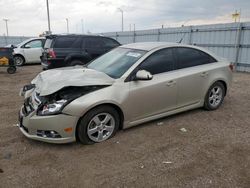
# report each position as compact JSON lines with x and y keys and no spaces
{"x":167,"y":162}
{"x":160,"y":123}
{"x":7,"y":156}
{"x":183,"y":130}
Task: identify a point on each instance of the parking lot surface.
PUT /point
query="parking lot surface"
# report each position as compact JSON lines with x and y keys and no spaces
{"x":213,"y":149}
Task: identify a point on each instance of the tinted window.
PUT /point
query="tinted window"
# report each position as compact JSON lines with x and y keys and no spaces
{"x":34,"y":44}
{"x":159,"y":62}
{"x":67,"y":42}
{"x":93,"y":42}
{"x":110,"y":42}
{"x":188,"y":57}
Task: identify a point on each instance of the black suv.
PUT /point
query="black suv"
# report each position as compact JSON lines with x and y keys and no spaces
{"x":70,"y":50}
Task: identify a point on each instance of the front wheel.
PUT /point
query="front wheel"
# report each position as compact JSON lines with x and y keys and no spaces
{"x":98,"y":125}
{"x":19,"y":60}
{"x":215,"y":96}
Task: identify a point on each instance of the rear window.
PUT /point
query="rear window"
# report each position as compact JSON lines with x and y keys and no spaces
{"x":67,"y":42}
{"x":47,"y":43}
{"x":110,"y":43}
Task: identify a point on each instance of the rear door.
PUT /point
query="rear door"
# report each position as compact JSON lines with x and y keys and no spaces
{"x":193,"y":72}
{"x":66,"y":45}
{"x":156,"y":96}
{"x":94,"y":46}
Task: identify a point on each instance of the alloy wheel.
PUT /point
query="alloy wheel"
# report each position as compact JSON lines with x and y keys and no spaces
{"x":101,"y":127}
{"x":215,"y":96}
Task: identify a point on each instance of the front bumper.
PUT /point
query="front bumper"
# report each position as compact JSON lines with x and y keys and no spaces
{"x":31,"y":124}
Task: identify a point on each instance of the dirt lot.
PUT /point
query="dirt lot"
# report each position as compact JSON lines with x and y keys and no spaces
{"x":214,"y":152}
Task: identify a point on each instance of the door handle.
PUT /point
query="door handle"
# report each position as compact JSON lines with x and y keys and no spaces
{"x":204,"y":74}
{"x":171,"y":82}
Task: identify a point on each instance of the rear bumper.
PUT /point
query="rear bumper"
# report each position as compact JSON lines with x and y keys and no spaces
{"x":53,"y":63}
{"x":30,"y":126}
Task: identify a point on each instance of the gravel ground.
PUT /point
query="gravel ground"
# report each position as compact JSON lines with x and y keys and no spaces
{"x":214,"y":152}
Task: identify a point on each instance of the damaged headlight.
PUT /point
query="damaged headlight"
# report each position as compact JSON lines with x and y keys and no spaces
{"x":54,"y":103}
{"x":52,"y":108}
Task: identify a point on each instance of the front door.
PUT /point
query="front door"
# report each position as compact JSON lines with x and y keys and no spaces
{"x":152,"y":97}
{"x":33,"y":51}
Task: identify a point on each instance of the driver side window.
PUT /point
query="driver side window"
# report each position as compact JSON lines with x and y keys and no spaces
{"x":34,"y":44}
{"x":159,"y":62}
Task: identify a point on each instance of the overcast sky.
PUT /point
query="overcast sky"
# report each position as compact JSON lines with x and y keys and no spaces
{"x":29,"y":17}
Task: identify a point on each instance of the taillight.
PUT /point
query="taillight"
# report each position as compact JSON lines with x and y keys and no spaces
{"x":52,"y":53}
{"x":231,"y":66}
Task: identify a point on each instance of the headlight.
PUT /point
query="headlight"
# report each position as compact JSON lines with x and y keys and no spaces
{"x":52,"y":108}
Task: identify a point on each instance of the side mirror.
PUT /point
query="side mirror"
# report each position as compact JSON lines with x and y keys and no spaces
{"x":27,"y":46}
{"x":143,"y":75}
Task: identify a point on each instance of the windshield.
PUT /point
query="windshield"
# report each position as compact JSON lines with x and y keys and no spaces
{"x":116,"y":62}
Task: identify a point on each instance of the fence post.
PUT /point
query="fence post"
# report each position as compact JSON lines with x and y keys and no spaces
{"x":116,"y":36}
{"x":6,"y":40}
{"x":158,"y":36}
{"x":134,"y":36}
{"x":238,"y":45}
{"x":190,"y":35}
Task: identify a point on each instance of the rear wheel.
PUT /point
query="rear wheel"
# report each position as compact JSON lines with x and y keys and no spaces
{"x":98,"y":125}
{"x":19,"y":60}
{"x":215,"y":96}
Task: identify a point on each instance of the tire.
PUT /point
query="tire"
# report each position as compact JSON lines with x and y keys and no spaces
{"x":19,"y":60}
{"x":215,"y":96}
{"x":88,"y":132}
{"x":76,"y":62}
{"x":11,"y":70}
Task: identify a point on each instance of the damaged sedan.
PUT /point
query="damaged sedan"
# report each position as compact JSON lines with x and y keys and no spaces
{"x":130,"y":85}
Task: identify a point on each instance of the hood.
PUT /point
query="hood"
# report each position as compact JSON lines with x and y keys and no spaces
{"x":50,"y":81}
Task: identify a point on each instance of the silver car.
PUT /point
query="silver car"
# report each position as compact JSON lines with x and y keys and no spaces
{"x":130,"y":85}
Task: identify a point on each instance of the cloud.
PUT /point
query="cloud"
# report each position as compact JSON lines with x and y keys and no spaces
{"x":29,"y":17}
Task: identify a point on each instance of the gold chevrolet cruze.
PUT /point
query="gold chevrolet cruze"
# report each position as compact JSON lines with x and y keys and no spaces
{"x":127,"y":86}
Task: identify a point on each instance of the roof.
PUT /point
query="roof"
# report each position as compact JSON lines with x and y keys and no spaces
{"x":66,"y":35}
{"x":149,"y":45}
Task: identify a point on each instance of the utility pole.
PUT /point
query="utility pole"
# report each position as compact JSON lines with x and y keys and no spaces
{"x":6,"y":24}
{"x":67,"y":20}
{"x":122,"y":16}
{"x":82,"y":26}
{"x":47,"y":2}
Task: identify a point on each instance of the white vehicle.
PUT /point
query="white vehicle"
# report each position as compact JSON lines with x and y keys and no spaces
{"x":29,"y":51}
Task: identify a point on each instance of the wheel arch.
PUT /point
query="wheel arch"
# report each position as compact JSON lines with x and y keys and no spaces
{"x":116,"y":107}
{"x":21,"y":55}
{"x":223,"y":82}
{"x":72,"y":57}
